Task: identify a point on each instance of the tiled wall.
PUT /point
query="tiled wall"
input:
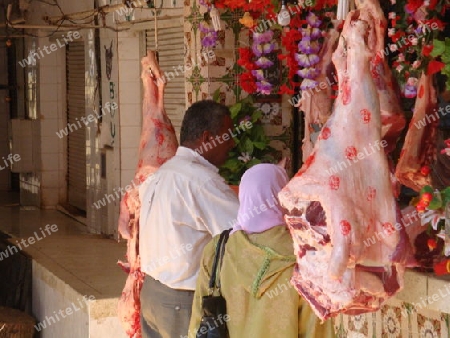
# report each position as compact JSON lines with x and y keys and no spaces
{"x":420,"y":310}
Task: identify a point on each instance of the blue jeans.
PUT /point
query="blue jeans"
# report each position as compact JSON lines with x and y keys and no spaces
{"x":165,"y":312}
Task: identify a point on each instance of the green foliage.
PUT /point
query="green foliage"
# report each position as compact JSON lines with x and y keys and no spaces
{"x":442,"y":49}
{"x":252,"y":144}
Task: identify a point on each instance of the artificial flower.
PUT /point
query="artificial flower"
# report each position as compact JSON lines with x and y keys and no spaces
{"x":286,"y":90}
{"x":245,"y":157}
{"x":313,"y":20}
{"x":308,"y":73}
{"x":262,"y":37}
{"x":258,"y":74}
{"x":247,"y":82}
{"x":426,"y":50}
{"x":308,"y":84}
{"x":307,"y":60}
{"x":446,"y":150}
{"x":434,"y":67}
{"x":391,"y":32}
{"x":393,"y":47}
{"x":392,"y":15}
{"x":264,"y":62}
{"x":264,"y":87}
{"x":399,"y":68}
{"x":416,"y":64}
{"x":247,"y":20}
{"x":401,"y":57}
{"x":308,"y":47}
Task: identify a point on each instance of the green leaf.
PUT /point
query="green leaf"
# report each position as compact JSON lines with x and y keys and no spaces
{"x":235,"y":109}
{"x":435,"y":204}
{"x":425,"y":189}
{"x":260,"y":145}
{"x":438,"y":48}
{"x":248,"y":146}
{"x":216,"y":95}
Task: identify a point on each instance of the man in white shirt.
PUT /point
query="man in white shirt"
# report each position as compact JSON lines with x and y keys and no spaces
{"x":183,"y":205}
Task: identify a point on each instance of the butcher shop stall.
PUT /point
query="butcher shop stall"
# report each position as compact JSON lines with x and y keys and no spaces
{"x":354,"y":94}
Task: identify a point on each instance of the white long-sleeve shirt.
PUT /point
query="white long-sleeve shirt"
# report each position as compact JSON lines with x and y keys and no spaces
{"x":183,"y":205}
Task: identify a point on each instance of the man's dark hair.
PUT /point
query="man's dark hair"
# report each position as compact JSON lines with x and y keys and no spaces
{"x":206,"y":115}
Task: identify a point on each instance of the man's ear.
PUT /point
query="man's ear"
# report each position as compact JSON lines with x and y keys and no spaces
{"x":206,"y":136}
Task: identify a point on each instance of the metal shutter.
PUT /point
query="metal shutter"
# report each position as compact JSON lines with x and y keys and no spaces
{"x":171,"y":55}
{"x":76,"y":140}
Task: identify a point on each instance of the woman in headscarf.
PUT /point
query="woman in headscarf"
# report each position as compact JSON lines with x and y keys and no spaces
{"x":257,"y":267}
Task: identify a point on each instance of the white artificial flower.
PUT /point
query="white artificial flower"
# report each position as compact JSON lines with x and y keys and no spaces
{"x":391,"y":31}
{"x":393,"y":47}
{"x":393,"y":2}
{"x":245,"y":157}
{"x":414,"y":41}
{"x":392,"y":15}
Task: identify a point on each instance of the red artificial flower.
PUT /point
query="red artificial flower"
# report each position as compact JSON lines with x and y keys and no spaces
{"x":247,"y":82}
{"x":397,"y":36}
{"x":434,"y":67}
{"x":286,"y":90}
{"x":413,"y":5}
{"x":426,"y":50}
{"x":432,"y":4}
{"x":435,"y":23}
{"x":234,"y":4}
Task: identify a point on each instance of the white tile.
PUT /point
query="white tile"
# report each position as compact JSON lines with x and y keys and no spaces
{"x":129,"y":158}
{"x":130,"y":137}
{"x":49,"y":127}
{"x":129,"y":71}
{"x":130,"y":115}
{"x":50,"y":144}
{"x":48,"y":109}
{"x":48,"y":74}
{"x":49,"y":162}
{"x":130,"y":92}
{"x":128,"y":48}
{"x":47,"y":92}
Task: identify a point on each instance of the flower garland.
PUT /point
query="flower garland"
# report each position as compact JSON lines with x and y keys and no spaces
{"x":411,"y":40}
{"x":209,"y":39}
{"x":308,"y":47}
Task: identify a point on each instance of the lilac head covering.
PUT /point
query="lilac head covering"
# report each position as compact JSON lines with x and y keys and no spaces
{"x":259,"y":208}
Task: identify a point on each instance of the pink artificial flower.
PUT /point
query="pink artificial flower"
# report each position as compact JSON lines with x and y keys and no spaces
{"x":393,"y":47}
{"x":308,"y":84}
{"x":399,"y":68}
{"x":416,"y":64}
{"x":308,"y":73}
{"x":258,"y":74}
{"x":401,"y":57}
{"x":391,"y":31}
{"x":262,"y":37}
{"x":309,"y":47}
{"x":263,"y":87}
{"x":307,"y":60}
{"x":313,"y":20}
{"x":264,"y":62}
{"x":392,"y":15}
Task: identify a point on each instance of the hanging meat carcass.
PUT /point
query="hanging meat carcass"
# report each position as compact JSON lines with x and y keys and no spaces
{"x":419,"y":148}
{"x":342,"y":197}
{"x":158,"y":143}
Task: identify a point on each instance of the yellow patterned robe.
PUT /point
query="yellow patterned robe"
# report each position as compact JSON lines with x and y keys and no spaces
{"x":255,"y":276}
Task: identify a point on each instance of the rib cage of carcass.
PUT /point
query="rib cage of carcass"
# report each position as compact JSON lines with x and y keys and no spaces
{"x":158,"y":143}
{"x":343,"y":195}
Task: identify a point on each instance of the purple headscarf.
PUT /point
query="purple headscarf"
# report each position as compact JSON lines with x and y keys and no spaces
{"x":259,"y":208}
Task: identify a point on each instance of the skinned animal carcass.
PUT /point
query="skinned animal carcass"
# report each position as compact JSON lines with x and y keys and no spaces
{"x":343,"y":196}
{"x":158,"y":143}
